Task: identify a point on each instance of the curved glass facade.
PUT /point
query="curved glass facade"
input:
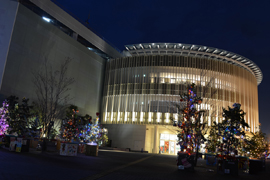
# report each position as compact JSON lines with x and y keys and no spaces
{"x":143,"y":89}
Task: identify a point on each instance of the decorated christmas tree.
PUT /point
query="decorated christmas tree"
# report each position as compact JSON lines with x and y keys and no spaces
{"x":22,"y":121}
{"x":213,"y":140}
{"x":94,"y":133}
{"x":3,"y":121}
{"x":191,"y":125}
{"x":82,"y":128}
{"x":258,"y":144}
{"x":231,"y":132}
{"x":73,"y":125}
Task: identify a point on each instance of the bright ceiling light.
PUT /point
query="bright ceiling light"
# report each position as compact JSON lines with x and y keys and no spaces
{"x":46,"y":19}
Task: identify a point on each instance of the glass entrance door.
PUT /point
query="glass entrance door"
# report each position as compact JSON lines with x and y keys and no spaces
{"x":172,"y":147}
{"x":167,"y":144}
{"x":166,"y":147}
{"x":161,"y":149}
{"x":177,"y":149}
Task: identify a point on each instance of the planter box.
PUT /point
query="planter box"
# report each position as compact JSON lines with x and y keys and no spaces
{"x":51,"y":146}
{"x":256,"y":165}
{"x":25,"y":145}
{"x":91,"y":150}
{"x":68,"y":149}
{"x":243,"y":163}
{"x":34,"y":143}
{"x":2,"y":144}
{"x":185,"y":161}
{"x":227,"y":166}
{"x":82,"y":148}
{"x":211,"y":160}
{"x":230,"y":167}
{"x":58,"y":145}
{"x":12,"y":144}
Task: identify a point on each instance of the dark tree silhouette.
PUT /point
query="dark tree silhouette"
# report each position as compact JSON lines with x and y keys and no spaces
{"x":52,"y":87}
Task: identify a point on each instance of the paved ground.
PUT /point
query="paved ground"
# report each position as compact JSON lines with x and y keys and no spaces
{"x":108,"y":165}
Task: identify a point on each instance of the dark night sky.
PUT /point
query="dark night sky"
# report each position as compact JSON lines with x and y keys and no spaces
{"x":239,"y":26}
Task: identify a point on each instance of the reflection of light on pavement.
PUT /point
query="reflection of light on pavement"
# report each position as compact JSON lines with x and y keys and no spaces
{"x":113,"y":150}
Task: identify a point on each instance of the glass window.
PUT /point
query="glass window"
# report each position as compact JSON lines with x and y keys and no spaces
{"x":162,"y":146}
{"x":162,"y":136}
{"x":172,"y":147}
{"x":162,"y":80}
{"x":167,"y":136}
{"x":152,"y":80}
{"x":173,"y":137}
{"x":161,"y":143}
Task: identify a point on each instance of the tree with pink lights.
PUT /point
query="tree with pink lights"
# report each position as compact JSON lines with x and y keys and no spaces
{"x":3,"y":120}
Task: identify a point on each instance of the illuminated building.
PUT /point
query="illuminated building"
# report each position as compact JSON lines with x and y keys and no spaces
{"x":139,"y":85}
{"x":140,"y":89}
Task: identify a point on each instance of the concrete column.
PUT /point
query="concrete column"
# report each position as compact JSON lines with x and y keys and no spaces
{"x":156,"y":139}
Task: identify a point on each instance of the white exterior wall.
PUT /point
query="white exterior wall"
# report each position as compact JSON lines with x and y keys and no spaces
{"x":137,"y":137}
{"x":34,"y":40}
{"x":8,"y":11}
{"x":127,"y":136}
{"x":149,"y":139}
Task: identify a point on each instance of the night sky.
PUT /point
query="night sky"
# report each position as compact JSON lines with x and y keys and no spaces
{"x":239,"y":26}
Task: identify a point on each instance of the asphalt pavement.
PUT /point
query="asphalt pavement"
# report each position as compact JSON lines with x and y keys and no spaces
{"x":109,"y":164}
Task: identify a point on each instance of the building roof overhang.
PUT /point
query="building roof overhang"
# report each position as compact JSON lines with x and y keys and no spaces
{"x":195,"y":50}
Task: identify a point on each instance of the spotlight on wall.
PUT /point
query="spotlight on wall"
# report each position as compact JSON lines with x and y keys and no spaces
{"x":46,"y":19}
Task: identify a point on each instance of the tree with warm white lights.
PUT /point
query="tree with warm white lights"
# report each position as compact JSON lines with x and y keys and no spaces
{"x":22,"y":119}
{"x":258,"y":144}
{"x":213,"y":139}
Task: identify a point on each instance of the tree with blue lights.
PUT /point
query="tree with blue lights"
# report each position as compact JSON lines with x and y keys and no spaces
{"x":231,"y":137}
{"x":93,"y":132}
{"x":82,"y":128}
